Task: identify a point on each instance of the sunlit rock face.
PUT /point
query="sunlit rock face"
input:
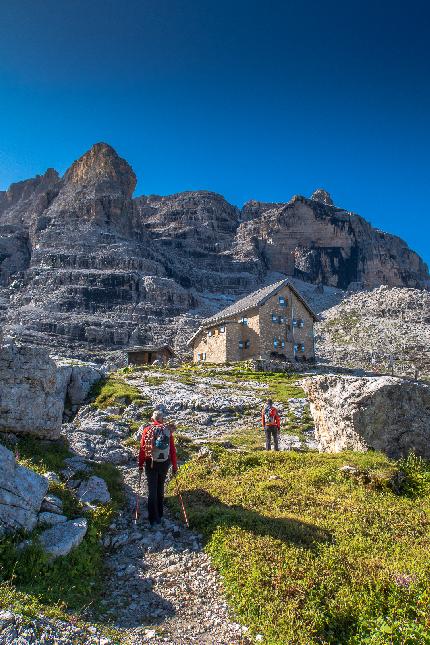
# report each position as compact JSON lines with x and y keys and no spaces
{"x":321,"y":243}
{"x":83,"y":264}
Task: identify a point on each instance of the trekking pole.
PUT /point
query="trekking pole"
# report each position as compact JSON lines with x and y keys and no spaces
{"x":184,"y":512}
{"x":136,"y":513}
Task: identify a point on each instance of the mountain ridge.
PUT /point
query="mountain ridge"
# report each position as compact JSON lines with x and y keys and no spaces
{"x":83,"y":263}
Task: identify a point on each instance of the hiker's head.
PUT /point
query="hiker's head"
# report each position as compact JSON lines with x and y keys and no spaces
{"x":157,"y":415}
{"x":269,"y":402}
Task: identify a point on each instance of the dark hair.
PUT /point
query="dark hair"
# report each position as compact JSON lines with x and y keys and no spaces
{"x":270,"y":401}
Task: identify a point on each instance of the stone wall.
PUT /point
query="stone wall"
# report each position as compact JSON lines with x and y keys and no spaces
{"x":284,"y":331}
{"x":303,"y":334}
{"x":214,"y":346}
{"x":241,"y":333}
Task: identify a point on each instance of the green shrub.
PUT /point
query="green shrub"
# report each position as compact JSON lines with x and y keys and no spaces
{"x":417,"y":471}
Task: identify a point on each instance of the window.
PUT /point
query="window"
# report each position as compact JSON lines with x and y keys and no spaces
{"x":295,"y":323}
{"x":282,"y":301}
{"x":244,"y":344}
{"x":278,"y":319}
{"x":301,"y":323}
{"x":302,"y":347}
{"x":222,"y":329}
{"x":275,"y":343}
{"x":243,"y":321}
{"x":247,"y":344}
{"x":241,"y":344}
{"x":210,"y":332}
{"x":296,"y":348}
{"x":201,"y":357}
{"x":282,"y":343}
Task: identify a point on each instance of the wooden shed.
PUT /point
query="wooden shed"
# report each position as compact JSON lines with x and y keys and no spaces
{"x":147,"y":354}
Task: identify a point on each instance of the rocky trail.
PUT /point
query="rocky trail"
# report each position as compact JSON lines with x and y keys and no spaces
{"x":161,"y":586}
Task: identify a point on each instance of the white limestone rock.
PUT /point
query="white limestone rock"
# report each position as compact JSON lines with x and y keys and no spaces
{"x":62,"y":538}
{"x":51,"y":519}
{"x":35,"y":388}
{"x":52,"y":504}
{"x":21,"y":494}
{"x":357,"y":413}
{"x":93,"y":490}
{"x":32,"y":393}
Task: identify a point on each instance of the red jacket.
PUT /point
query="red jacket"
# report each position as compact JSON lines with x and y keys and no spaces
{"x":275,"y":419}
{"x":142,"y":453}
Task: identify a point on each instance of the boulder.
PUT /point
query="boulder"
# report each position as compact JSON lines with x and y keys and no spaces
{"x":35,"y":388}
{"x":32,"y":394}
{"x":52,"y":504}
{"x":382,"y":413}
{"x":51,"y":519}
{"x":80,"y":379}
{"x":92,"y":490}
{"x":62,"y":538}
{"x":21,"y":494}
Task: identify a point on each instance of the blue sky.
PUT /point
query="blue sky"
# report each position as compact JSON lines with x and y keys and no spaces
{"x":254,"y":100}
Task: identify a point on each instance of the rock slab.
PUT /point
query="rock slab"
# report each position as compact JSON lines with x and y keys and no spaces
{"x":92,"y":490}
{"x":382,"y":413}
{"x":21,"y":494}
{"x":62,"y":538}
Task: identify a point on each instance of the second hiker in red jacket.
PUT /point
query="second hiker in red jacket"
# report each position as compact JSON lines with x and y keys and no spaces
{"x":157,"y":453}
{"x":271,"y":423}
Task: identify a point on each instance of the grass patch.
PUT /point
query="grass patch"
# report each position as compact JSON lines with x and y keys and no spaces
{"x":185,"y":447}
{"x":41,"y":455}
{"x":309,"y":556}
{"x":113,"y":391}
{"x":248,"y":438}
{"x":155,"y":380}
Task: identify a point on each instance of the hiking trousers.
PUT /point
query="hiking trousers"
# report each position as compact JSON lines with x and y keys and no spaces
{"x":272,"y":431}
{"x":156,"y":473}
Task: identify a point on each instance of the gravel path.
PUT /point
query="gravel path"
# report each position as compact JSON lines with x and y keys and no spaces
{"x":162,"y":588}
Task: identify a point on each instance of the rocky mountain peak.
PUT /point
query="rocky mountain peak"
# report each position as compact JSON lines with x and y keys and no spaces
{"x":101,"y":166}
{"x":23,"y":190}
{"x":321,"y":195}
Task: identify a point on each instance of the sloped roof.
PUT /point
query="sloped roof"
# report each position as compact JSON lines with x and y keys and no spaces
{"x":254,"y":299}
{"x":148,"y":348}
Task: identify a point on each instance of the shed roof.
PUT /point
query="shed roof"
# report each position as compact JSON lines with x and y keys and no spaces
{"x":148,"y":348}
{"x":254,"y":299}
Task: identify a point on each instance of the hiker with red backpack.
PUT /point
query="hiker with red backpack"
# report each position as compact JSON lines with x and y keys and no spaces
{"x":157,"y":453}
{"x":271,"y":423}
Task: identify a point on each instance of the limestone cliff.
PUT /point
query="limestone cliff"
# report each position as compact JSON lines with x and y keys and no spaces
{"x":84,"y":264}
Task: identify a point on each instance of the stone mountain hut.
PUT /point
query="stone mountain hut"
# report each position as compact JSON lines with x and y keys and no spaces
{"x":147,"y":354}
{"x":274,"y":322}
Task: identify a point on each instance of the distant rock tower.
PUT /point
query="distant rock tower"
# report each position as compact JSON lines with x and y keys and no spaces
{"x":321,"y":195}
